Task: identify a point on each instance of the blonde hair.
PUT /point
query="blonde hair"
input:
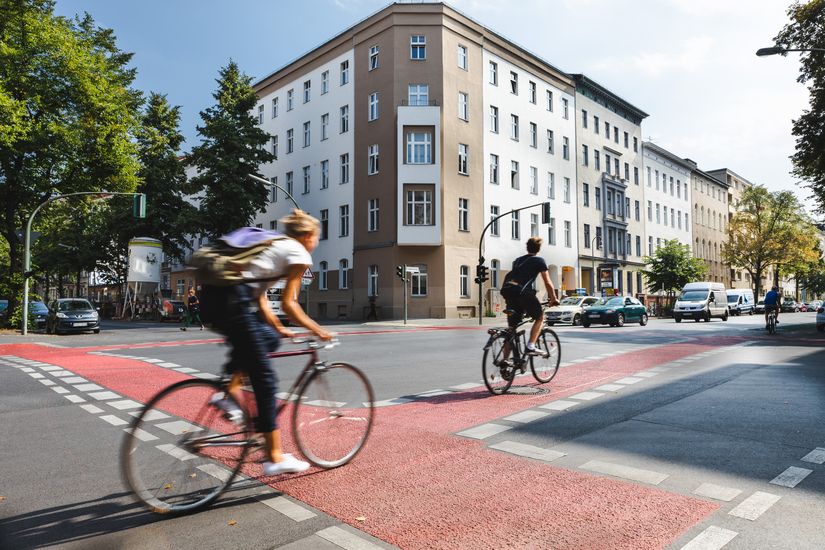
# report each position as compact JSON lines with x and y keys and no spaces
{"x":300,"y":223}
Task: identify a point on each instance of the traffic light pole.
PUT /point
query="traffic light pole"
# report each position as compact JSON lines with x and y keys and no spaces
{"x":401,"y":273}
{"x":481,"y":271}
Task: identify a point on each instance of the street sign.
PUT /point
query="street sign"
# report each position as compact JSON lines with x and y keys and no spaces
{"x":307,"y":277}
{"x":411,"y":269}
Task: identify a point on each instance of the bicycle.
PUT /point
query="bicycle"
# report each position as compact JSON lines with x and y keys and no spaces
{"x":331,"y":406}
{"x":499,"y":372}
{"x":772,"y":321}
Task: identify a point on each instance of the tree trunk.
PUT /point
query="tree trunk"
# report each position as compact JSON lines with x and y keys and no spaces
{"x":47,"y":284}
{"x":757,"y":282}
{"x":77,"y":287}
{"x":61,"y":291}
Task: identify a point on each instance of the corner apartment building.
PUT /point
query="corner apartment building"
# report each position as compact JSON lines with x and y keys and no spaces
{"x":710,"y":224}
{"x":736,"y":185}
{"x":611,"y":225}
{"x":667,"y":197}
{"x":403,"y":134}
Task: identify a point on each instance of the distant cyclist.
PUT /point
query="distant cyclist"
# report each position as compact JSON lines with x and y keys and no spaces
{"x":772,"y":303}
{"x":519,"y":294}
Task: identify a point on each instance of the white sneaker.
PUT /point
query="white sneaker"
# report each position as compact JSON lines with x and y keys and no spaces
{"x":533,"y":350}
{"x":288,"y":465}
{"x":230,"y":409}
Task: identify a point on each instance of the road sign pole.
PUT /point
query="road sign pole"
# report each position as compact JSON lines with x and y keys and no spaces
{"x":404,"y":280}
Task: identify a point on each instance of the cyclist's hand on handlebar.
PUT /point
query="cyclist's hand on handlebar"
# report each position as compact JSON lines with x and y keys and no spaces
{"x":324,"y":335}
{"x":286,"y":333}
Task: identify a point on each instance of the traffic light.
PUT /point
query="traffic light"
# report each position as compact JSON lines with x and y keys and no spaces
{"x":399,"y":270}
{"x":545,"y":212}
{"x":139,"y":205}
{"x":481,"y":274}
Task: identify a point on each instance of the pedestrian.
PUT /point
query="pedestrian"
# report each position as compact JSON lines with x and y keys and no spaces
{"x":373,"y":313}
{"x":193,"y":311}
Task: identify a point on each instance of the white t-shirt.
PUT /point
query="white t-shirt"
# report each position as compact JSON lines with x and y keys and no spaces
{"x":275,"y":261}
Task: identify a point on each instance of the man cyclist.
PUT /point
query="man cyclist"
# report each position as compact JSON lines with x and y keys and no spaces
{"x":520,"y":296}
{"x":253,"y":330}
{"x":772,"y":303}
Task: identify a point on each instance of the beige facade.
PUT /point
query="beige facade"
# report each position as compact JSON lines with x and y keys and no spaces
{"x":710,"y":223}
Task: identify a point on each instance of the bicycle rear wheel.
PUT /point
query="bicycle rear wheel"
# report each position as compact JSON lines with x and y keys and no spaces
{"x":333,"y":414}
{"x":545,"y":368}
{"x":180,"y":452}
{"x":498,"y":377}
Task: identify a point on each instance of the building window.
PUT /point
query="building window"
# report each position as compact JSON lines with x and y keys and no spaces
{"x":534,"y":225}
{"x":307,"y":90}
{"x":462,"y":57}
{"x":551,"y":185}
{"x":463,"y":151}
{"x":565,"y":148}
{"x":419,"y":148}
{"x":599,"y":243}
{"x":275,"y":146}
{"x":343,"y":274}
{"x":306,"y":134}
{"x":534,"y":135}
{"x":626,"y":143}
{"x":514,"y":174}
{"x":597,"y":161}
{"x":324,"y":82}
{"x":344,"y":122}
{"x":493,"y":73}
{"x":514,"y":127}
{"x":494,"y":213}
{"x":635,"y":145}
{"x":344,"y":159}
{"x":260,"y":114}
{"x":290,"y":99}
{"x":513,"y":82}
{"x":324,"y":224}
{"x":568,"y":238}
{"x":463,"y":106}
{"x":273,"y":225}
{"x":515,"y":226}
{"x":418,"y":47}
{"x":616,"y":134}
{"x":324,"y":126}
{"x":494,"y":169}
{"x":637,"y":211}
{"x":598,"y":196}
{"x":418,"y":95}
{"x":567,"y":191}
{"x":343,"y":214}
{"x":419,"y":207}
{"x":626,"y":171}
{"x":373,"y":58}
{"x":273,"y":191}
{"x":585,"y":194}
{"x":551,"y":232}
{"x":418,"y":281}
{"x":463,"y":214}
{"x":550,"y":100}
{"x":306,"y":179}
{"x":595,"y":125}
{"x":289,"y":183}
{"x":372,"y":215}
{"x":532,"y":86}
{"x":495,"y":266}
{"x":551,"y":147}
{"x":636,"y":175}
{"x":372,"y":163}
{"x":324,"y":174}
{"x":274,"y":107}
{"x":464,"y":281}
{"x":372,"y":113}
{"x":372,"y":280}
{"x":585,"y":156}
{"x":534,"y":180}
{"x":638,"y":245}
{"x":658,"y":213}
{"x":493,"y":119}
{"x":586,"y":235}
{"x":344,"y":72}
{"x":322,"y":276}
{"x":565,"y":104}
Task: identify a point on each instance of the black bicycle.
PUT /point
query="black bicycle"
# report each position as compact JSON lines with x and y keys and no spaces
{"x":772,"y":321}
{"x":505,"y":356}
{"x":181,"y":451}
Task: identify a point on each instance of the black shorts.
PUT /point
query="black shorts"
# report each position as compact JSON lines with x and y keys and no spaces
{"x":772,"y":307}
{"x":521,"y":302}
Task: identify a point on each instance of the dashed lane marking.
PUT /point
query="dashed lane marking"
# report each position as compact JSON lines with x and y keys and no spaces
{"x":711,"y":538}
{"x":529,"y":451}
{"x":215,"y":471}
{"x":484,"y":431}
{"x":62,"y":374}
{"x":817,"y":456}
{"x":754,"y":506}
{"x":150,"y":416}
{"x":433,"y":393}
{"x":178,"y":427}
{"x":91,"y":409}
{"x":88,"y":387}
{"x":185,"y":370}
{"x":167,"y":365}
{"x":526,"y":416}
{"x":625,"y":472}
{"x":586,"y":395}
{"x":50,"y":368}
{"x":559,"y":405}
{"x":717,"y":492}
{"x":36,"y":375}
{"x":628,"y":380}
{"x":791,"y":477}
{"x":113,"y":420}
{"x":467,"y":386}
{"x":293,"y":511}
{"x":104,"y":395}
{"x":143,"y":435}
{"x":60,"y":389}
{"x":390,"y":402}
{"x":176,"y":452}
{"x":610,"y":387}
{"x":646,"y":374}
{"x":345,"y":539}
{"x":124,"y":404}
{"x":75,"y":380}
{"x":73,"y":398}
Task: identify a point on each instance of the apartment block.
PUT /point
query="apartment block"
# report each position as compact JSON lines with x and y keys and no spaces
{"x":736,"y":185}
{"x":710,"y":223}
{"x":667,"y":197}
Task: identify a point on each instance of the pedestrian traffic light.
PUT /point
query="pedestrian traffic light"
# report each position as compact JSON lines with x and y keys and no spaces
{"x":139,"y":205}
{"x":399,"y":270}
{"x":481,"y":274}
{"x":545,"y":212}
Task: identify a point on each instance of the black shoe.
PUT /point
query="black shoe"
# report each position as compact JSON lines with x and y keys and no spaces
{"x":183,"y":328}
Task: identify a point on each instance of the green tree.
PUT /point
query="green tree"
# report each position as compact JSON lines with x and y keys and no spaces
{"x":814,"y":280}
{"x":232,"y":147}
{"x":671,"y":267}
{"x":805,"y":30}
{"x":763,"y":231}
{"x":67,"y":114}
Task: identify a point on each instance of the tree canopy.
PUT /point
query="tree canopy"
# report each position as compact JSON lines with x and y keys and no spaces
{"x":671,"y":267}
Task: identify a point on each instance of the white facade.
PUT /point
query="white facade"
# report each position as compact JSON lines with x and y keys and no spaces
{"x":542,"y":175}
{"x":327,"y":197}
{"x":667,"y":198}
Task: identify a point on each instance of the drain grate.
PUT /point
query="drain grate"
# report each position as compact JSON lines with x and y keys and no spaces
{"x":527,"y":390}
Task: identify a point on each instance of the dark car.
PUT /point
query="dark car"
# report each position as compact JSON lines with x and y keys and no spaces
{"x":171,"y":310}
{"x":615,"y":311}
{"x":72,"y":315}
{"x":760,"y":307}
{"x":38,"y":313}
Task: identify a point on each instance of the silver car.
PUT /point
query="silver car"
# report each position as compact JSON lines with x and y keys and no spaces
{"x":570,"y":310}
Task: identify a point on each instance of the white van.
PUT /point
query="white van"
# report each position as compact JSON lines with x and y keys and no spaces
{"x":274,"y":296}
{"x":740,"y":300}
{"x":701,"y":301}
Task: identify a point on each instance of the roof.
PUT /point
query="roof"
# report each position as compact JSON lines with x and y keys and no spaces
{"x":599,"y":90}
{"x":686,"y":163}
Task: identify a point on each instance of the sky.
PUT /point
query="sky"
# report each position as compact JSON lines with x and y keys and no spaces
{"x":689,"y":64}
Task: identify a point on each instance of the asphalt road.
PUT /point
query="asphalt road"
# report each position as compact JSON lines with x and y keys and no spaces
{"x":702,"y":434}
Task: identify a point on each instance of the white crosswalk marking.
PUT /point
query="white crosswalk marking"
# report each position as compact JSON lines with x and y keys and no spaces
{"x":754,"y":506}
{"x":711,"y":538}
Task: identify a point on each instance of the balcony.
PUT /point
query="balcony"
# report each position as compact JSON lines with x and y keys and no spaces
{"x":428,"y":103}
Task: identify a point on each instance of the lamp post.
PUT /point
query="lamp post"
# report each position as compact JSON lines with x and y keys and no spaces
{"x":775,"y":50}
{"x":593,"y":263}
{"x":27,"y":266}
{"x":271,"y":184}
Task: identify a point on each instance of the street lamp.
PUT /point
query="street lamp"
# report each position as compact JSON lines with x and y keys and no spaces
{"x":774,"y":50}
{"x":593,"y":263}
{"x":271,"y":184}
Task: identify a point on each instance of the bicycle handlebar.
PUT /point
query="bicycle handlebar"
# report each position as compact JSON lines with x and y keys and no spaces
{"x":314,"y":343}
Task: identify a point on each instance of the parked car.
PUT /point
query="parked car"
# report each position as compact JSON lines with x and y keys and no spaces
{"x":702,"y":300}
{"x":760,"y":307}
{"x":4,"y":312}
{"x":72,"y":315}
{"x":39,"y":313}
{"x":789,"y":305}
{"x":820,"y":319}
{"x":740,"y":300}
{"x":172,"y":310}
{"x":570,"y":310}
{"x":615,"y":311}
{"x":815,"y":305}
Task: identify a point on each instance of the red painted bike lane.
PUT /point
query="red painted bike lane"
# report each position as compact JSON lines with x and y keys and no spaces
{"x":416,"y":485}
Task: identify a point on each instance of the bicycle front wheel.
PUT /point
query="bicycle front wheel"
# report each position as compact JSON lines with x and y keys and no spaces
{"x":498,"y":374}
{"x":333,"y":414}
{"x":546,"y":366}
{"x":180,"y":452}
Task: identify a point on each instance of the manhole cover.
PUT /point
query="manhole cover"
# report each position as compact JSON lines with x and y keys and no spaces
{"x":527,"y":390}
